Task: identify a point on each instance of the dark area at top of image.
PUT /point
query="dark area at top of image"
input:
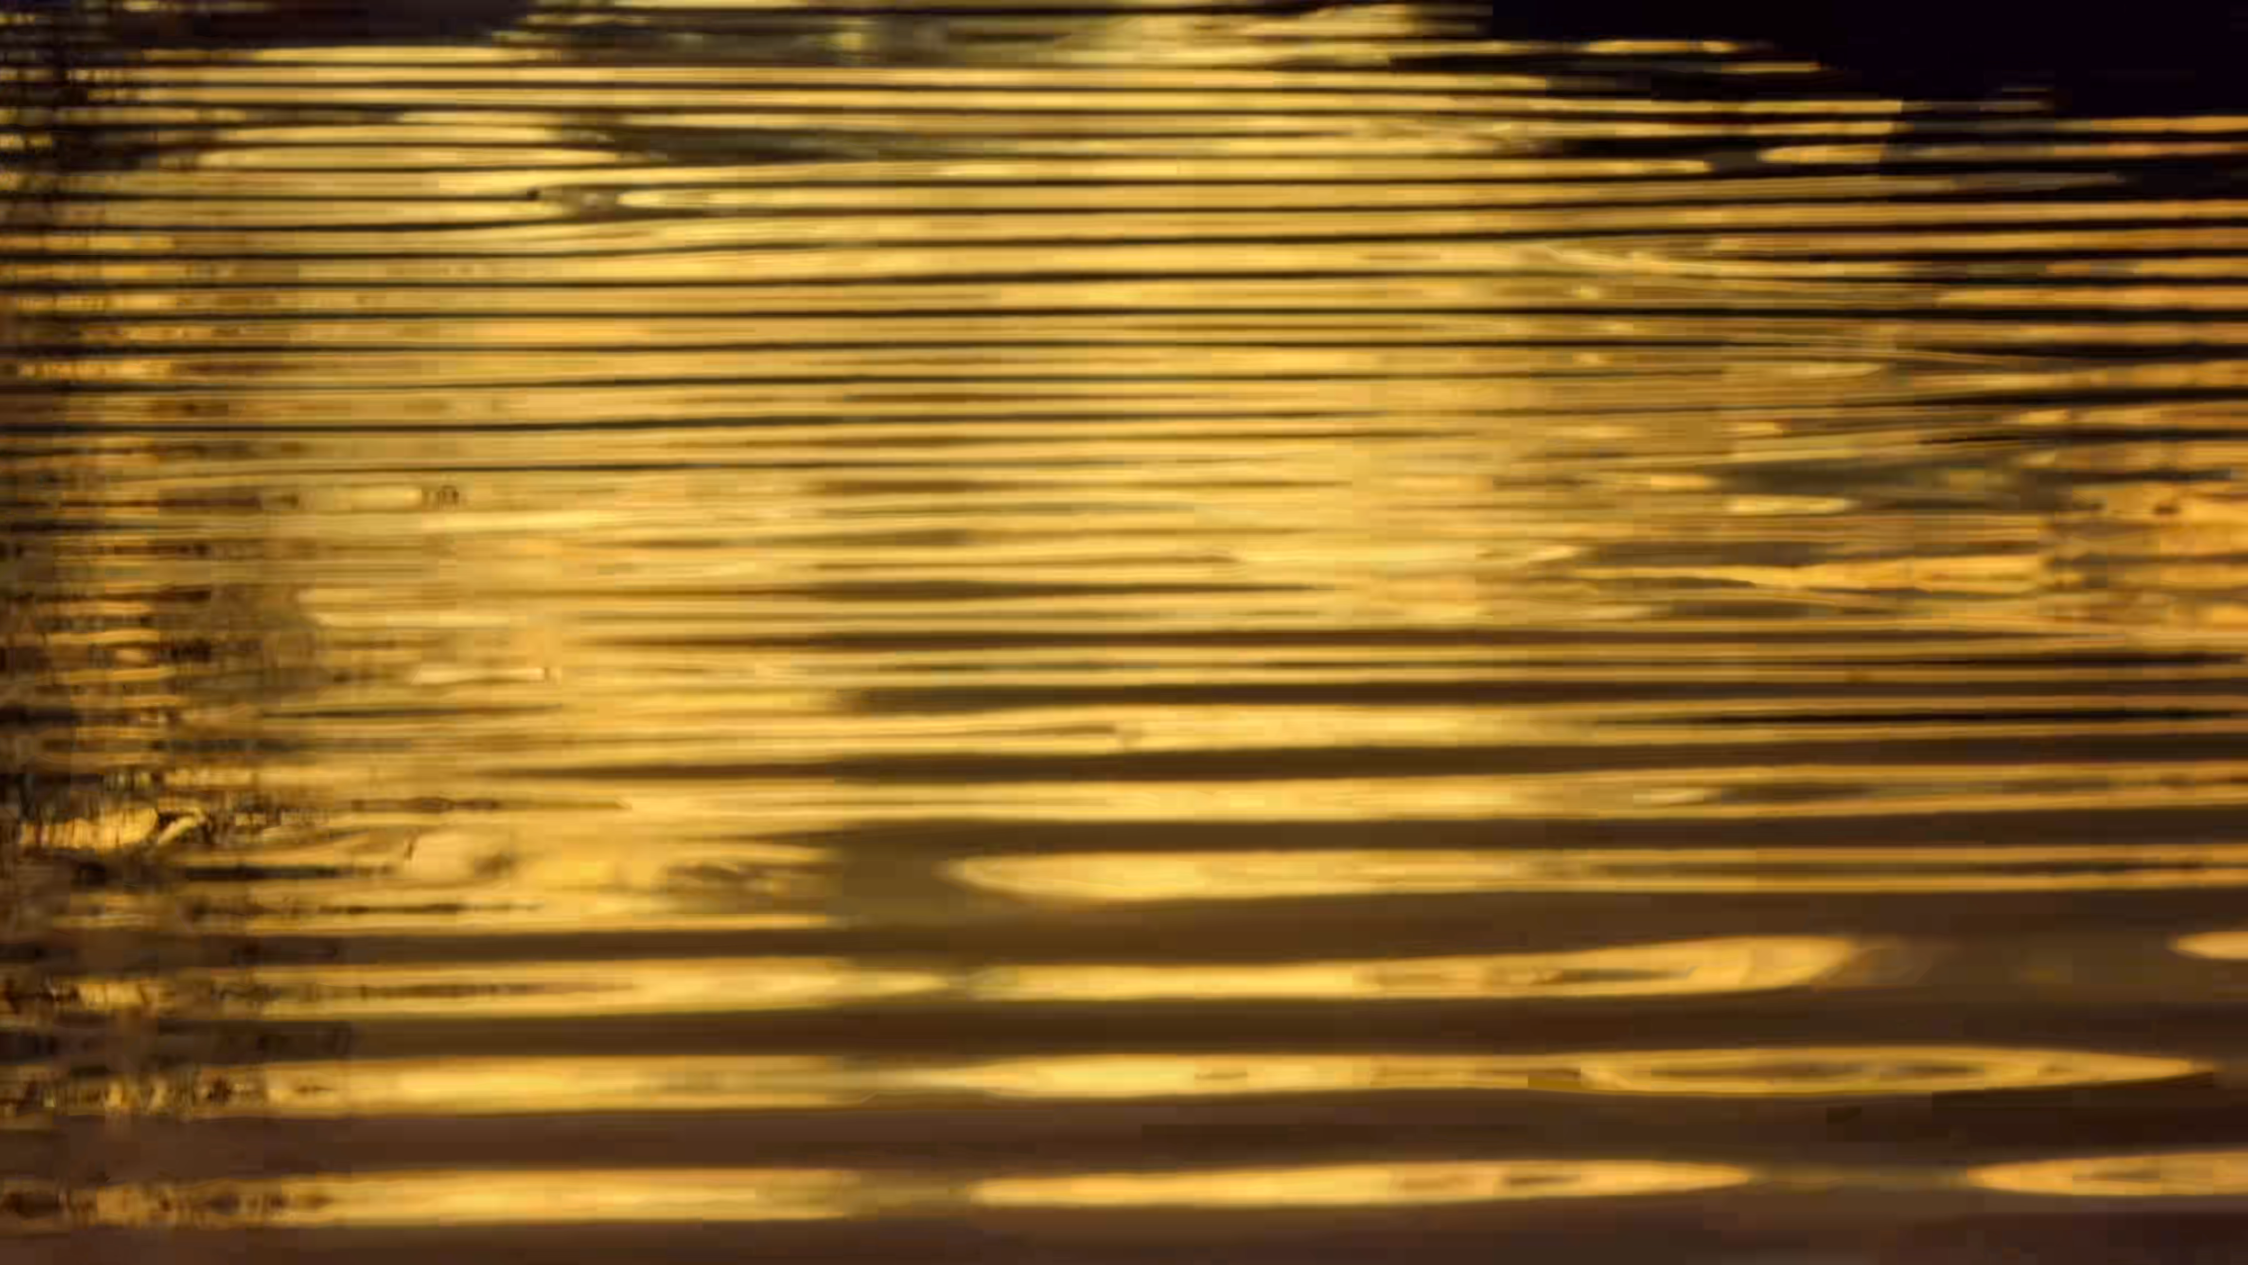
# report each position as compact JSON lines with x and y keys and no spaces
{"x":2162,"y":50}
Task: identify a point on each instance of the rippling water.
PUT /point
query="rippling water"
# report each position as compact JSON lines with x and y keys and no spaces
{"x":727,"y":630}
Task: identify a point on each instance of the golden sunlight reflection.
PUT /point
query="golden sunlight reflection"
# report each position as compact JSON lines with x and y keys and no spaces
{"x":1360,"y":1185}
{"x":566,"y":1196}
{"x":588,"y":1196}
{"x":1743,"y":1073}
{"x":574,"y":880}
{"x":1057,"y":612}
{"x":2202,"y":1174}
{"x":518,"y":989}
{"x":550,"y":1085}
{"x":2222,"y":946}
{"x":1189,"y":876}
{"x":523,"y":1086}
{"x":1684,"y":969}
{"x":625,"y":987}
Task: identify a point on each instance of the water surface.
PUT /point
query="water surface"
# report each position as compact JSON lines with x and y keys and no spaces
{"x":1049,"y":635}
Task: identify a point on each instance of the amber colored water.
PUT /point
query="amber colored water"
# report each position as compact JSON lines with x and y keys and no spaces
{"x":1034,"y":636}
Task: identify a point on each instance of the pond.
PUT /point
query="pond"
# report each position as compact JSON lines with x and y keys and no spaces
{"x":1035,"y":633}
